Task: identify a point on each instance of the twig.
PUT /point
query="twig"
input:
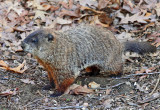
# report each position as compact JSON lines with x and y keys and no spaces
{"x":67,"y":107}
{"x":117,"y":85}
{"x":155,"y":85}
{"x":151,"y":98}
{"x":108,"y":87}
{"x":129,"y":76}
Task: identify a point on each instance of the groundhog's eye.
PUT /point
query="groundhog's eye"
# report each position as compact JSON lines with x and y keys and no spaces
{"x":50,"y":37}
{"x":34,"y":40}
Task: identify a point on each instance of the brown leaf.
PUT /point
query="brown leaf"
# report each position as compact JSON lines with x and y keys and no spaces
{"x":157,"y":8}
{"x":77,"y":89}
{"x":88,"y":3}
{"x":46,"y":7}
{"x":102,"y":4}
{"x":141,"y":18}
{"x":70,"y":4}
{"x":20,"y":69}
{"x":103,"y":18}
{"x":141,"y":71}
{"x":69,"y":13}
{"x":9,"y":92}
{"x":63,"y":21}
{"x":90,"y":9}
{"x":108,"y":91}
{"x":3,"y":64}
{"x":54,"y":8}
{"x":96,"y":20}
{"x":64,"y":4}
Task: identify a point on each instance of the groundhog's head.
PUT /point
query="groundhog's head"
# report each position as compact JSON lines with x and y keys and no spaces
{"x":37,"y":42}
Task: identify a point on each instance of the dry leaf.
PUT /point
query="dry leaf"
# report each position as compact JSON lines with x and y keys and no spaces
{"x":141,"y":71}
{"x":88,"y":3}
{"x":141,"y":18}
{"x":63,"y":21}
{"x":96,"y":20}
{"x":103,"y":18}
{"x":94,"y":85}
{"x":108,"y":91}
{"x":46,"y":7}
{"x":90,"y":9}
{"x":77,"y":89}
{"x":27,"y":81}
{"x":69,"y":13}
{"x":16,"y":7}
{"x":102,"y":4}
{"x":107,"y":103}
{"x":64,"y":4}
{"x":157,"y":8}
{"x":9,"y":92}
{"x":20,"y":69}
{"x":54,"y":8}
{"x":40,"y":14}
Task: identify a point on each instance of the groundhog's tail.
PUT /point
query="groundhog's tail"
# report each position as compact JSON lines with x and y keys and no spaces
{"x":139,"y":47}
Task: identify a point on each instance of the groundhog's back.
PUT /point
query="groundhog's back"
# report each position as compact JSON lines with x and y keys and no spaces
{"x":85,"y":46}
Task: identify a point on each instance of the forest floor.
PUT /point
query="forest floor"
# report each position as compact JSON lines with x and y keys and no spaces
{"x":22,"y":78}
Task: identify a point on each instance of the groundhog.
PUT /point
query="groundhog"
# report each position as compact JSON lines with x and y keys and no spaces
{"x":64,"y":54}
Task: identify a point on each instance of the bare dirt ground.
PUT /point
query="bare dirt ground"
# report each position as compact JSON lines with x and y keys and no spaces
{"x":121,"y":93}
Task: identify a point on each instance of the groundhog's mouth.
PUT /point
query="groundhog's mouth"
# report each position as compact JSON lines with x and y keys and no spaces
{"x":26,"y":48}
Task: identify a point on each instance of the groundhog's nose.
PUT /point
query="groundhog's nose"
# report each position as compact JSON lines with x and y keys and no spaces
{"x":23,"y":45}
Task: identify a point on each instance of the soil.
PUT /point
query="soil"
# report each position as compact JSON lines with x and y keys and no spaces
{"x":125,"y":93}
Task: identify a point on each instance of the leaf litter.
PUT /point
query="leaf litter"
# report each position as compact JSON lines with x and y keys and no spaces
{"x":128,"y":20}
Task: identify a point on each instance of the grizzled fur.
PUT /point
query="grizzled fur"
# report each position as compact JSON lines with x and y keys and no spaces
{"x":69,"y":52}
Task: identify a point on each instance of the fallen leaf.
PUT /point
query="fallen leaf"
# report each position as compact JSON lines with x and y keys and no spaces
{"x":77,"y":89}
{"x":96,"y":20}
{"x":16,"y":7}
{"x":46,"y":7}
{"x":141,"y":71}
{"x":20,"y":69}
{"x":69,"y":13}
{"x":108,"y":91}
{"x":157,"y":8}
{"x":88,"y":2}
{"x":150,"y":4}
{"x":102,"y":4}
{"x":64,"y":4}
{"x":93,"y":85}
{"x":132,"y":10}
{"x":63,"y":21}
{"x":40,"y":14}
{"x":141,"y":18}
{"x":124,"y":36}
{"x":54,"y":8}
{"x":90,"y":9}
{"x":27,"y":81}
{"x":103,"y":18}
{"x":9,"y":92}
{"x":107,"y":103}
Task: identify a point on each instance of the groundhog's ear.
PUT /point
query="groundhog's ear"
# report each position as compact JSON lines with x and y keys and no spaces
{"x":50,"y":37}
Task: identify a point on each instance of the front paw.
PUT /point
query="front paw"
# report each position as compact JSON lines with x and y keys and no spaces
{"x":48,"y":87}
{"x":56,"y":94}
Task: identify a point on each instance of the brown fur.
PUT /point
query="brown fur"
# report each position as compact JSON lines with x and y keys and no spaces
{"x":64,"y":54}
